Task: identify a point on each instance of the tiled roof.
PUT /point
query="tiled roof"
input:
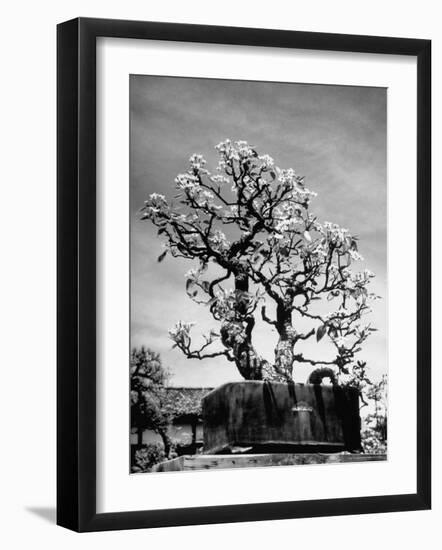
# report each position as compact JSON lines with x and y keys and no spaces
{"x":185,"y":401}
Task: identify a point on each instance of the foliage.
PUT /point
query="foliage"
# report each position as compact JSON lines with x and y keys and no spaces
{"x":146,"y":372}
{"x":148,"y":395}
{"x":372,"y":442}
{"x":374,"y":436}
{"x":378,"y":393}
{"x":357,"y":378}
{"x":147,"y":456}
{"x":250,"y":230}
{"x":377,"y":419}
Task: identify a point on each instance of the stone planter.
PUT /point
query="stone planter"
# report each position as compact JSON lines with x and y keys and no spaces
{"x":262,"y":417}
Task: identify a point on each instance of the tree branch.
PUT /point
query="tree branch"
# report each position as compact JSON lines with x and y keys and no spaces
{"x":267,"y":319}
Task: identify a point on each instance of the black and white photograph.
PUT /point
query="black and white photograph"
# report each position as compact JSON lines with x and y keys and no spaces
{"x":220,"y":275}
{"x":258,"y":274}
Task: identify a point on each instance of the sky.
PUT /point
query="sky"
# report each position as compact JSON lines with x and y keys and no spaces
{"x":335,"y":136}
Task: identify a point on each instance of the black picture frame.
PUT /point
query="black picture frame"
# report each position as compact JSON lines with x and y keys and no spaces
{"x":76,"y":274}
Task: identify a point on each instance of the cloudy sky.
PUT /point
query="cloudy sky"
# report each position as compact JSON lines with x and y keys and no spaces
{"x":333,"y":135}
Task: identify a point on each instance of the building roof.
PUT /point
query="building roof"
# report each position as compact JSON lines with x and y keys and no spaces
{"x":181,"y":401}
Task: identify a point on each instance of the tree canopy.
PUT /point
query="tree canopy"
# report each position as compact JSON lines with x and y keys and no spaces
{"x":148,"y":395}
{"x":250,"y":231}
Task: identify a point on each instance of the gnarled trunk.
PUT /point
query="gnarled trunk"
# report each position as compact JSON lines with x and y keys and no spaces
{"x":237,"y":336}
{"x":284,"y":354}
{"x":167,"y":442}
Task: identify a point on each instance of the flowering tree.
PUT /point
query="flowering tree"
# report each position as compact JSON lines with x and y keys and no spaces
{"x":255,"y":242}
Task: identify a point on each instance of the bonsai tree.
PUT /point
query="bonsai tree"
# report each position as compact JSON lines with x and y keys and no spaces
{"x":249,"y":230}
{"x":148,"y":396}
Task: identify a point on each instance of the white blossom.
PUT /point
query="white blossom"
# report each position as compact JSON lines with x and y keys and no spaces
{"x":218,"y":240}
{"x":187,"y":181}
{"x":266,"y":162}
{"x":355,"y":255}
{"x":340,"y":341}
{"x":157,"y":197}
{"x":197,"y":162}
{"x":181,"y":331}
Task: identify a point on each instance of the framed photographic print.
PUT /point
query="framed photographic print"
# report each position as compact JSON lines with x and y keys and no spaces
{"x":243,"y":274}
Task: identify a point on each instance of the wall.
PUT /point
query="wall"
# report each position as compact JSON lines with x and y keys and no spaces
{"x":178,"y":432}
{"x":27,"y":286}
